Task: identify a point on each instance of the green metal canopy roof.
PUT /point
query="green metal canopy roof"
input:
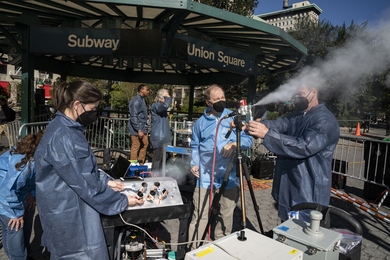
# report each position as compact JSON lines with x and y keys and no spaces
{"x":270,"y":49}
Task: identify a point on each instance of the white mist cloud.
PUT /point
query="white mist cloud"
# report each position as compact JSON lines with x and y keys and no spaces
{"x":363,"y":55}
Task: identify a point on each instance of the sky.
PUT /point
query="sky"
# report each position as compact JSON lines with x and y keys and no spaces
{"x":338,"y":11}
{"x":350,"y":66}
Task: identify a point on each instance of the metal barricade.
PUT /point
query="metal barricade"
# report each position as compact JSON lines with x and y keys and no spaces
{"x":13,"y":132}
{"x":31,"y":128}
{"x":109,"y":133}
{"x":365,"y":159}
{"x":176,"y":127}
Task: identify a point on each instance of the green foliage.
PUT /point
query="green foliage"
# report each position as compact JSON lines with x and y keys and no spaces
{"x":242,"y":7}
{"x":121,"y":94}
{"x":272,"y":115}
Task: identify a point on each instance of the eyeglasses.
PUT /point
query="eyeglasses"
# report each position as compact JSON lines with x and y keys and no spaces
{"x":93,"y":109}
{"x":301,"y":94}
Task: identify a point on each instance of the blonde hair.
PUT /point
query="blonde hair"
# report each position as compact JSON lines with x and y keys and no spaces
{"x":160,"y":95}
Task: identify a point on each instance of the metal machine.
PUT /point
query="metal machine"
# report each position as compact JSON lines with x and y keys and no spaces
{"x":316,"y":242}
{"x":162,"y":201}
{"x":245,"y":244}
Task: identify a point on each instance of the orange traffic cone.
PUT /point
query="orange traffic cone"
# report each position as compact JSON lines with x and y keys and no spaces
{"x":357,"y":132}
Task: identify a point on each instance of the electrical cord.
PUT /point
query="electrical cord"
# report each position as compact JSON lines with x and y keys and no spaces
{"x":143,"y":230}
{"x":188,"y":242}
{"x":117,"y":252}
{"x":212,"y":173}
{"x":226,"y":251}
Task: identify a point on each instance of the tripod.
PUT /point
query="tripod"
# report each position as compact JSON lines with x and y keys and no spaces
{"x":242,"y":170}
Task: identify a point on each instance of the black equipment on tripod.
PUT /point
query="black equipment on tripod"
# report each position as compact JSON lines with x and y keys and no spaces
{"x":242,"y":170}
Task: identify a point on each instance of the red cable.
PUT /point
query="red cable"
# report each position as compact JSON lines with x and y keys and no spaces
{"x":212,"y":174}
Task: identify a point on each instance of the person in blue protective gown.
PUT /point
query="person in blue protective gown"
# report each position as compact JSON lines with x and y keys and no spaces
{"x":204,"y":134}
{"x":138,"y":124}
{"x":71,"y":191}
{"x":160,"y":132}
{"x":304,"y":142}
{"x":17,"y":196}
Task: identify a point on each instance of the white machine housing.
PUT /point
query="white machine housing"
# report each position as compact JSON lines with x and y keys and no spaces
{"x":254,"y":247}
{"x":316,"y":242}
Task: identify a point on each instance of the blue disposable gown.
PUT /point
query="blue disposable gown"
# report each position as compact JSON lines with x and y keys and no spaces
{"x":138,"y":115}
{"x":15,"y":185}
{"x":71,"y":193}
{"x":304,"y":145}
{"x":160,"y":132}
{"x":202,"y":147}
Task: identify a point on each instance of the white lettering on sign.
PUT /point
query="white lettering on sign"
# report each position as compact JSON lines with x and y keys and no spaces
{"x":192,"y":50}
{"x":228,"y":60}
{"x":200,"y":52}
{"x":87,"y":42}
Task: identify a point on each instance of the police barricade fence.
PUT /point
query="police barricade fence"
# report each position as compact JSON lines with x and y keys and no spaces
{"x":106,"y":132}
{"x":358,"y":157}
{"x":366,"y":159}
{"x":12,"y":132}
{"x":109,"y":132}
{"x":113,"y":133}
{"x":26,"y":129}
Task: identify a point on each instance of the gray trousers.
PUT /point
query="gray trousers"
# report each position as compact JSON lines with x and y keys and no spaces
{"x":200,"y":216}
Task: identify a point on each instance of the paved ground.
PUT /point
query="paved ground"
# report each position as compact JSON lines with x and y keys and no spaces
{"x":375,"y":231}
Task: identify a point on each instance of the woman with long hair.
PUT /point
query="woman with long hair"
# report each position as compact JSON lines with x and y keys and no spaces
{"x":71,"y":191}
{"x":17,"y":196}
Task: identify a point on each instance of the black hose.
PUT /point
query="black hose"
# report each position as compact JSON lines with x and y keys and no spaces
{"x":333,"y":211}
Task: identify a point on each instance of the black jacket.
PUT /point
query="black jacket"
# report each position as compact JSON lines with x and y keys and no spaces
{"x":9,"y":114}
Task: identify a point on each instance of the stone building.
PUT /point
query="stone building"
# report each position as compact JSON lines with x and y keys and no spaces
{"x":289,"y":15}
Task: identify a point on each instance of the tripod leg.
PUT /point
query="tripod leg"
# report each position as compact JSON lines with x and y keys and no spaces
{"x":213,"y":211}
{"x":242,"y":194}
{"x":256,"y":207}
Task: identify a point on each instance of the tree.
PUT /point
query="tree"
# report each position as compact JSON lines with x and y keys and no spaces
{"x":121,"y":93}
{"x":242,"y":7}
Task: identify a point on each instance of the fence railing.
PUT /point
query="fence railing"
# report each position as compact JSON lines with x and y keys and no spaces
{"x":361,"y":158}
{"x":104,"y":133}
{"x":12,"y":132}
{"x":31,"y":128}
{"x":358,"y":157}
{"x":109,"y":133}
{"x":365,"y":159}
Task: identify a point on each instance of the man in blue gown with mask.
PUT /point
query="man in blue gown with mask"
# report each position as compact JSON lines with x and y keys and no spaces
{"x":304,"y":142}
{"x":205,"y":135}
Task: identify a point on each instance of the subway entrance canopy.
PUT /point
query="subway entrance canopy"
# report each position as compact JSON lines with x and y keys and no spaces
{"x":177,"y":42}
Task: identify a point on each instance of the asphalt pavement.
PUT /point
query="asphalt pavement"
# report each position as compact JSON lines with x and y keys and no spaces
{"x":375,"y":242}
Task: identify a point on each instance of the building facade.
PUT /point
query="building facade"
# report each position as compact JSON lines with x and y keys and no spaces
{"x":290,"y":15}
{"x":11,"y":76}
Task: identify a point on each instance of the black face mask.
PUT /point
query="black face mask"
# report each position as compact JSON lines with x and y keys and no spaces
{"x":301,"y":103}
{"x":88,"y":117}
{"x":219,"y":106}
